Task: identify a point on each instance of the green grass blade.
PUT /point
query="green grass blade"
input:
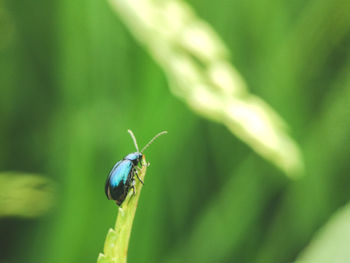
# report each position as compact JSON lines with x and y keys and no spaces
{"x":117,"y":240}
{"x":332,"y":243}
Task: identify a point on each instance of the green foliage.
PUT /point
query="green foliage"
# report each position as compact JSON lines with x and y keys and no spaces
{"x":73,"y":78}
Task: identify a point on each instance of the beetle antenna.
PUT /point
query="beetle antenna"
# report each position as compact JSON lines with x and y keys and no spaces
{"x":152,"y":140}
{"x":134,"y":139}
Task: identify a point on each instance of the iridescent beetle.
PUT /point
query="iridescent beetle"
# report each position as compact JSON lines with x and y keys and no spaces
{"x":121,"y":178}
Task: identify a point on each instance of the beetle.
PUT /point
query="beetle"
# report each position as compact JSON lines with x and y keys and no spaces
{"x":121,"y":177}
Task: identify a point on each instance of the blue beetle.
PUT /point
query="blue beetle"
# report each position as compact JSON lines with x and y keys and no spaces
{"x":121,"y":178}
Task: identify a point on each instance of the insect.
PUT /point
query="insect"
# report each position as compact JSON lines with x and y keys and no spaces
{"x":121,"y":178}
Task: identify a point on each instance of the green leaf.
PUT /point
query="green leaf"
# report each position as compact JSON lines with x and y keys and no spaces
{"x":331,"y":244}
{"x":25,"y":195}
{"x":117,"y":240}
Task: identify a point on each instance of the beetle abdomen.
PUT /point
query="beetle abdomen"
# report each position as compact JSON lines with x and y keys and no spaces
{"x":119,"y":193}
{"x":118,"y":181}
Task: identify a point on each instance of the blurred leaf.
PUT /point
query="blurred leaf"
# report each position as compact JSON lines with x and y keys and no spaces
{"x":331,"y":244}
{"x":235,"y":210}
{"x":311,"y":199}
{"x":195,"y":61}
{"x":25,"y":195}
{"x":308,"y":60}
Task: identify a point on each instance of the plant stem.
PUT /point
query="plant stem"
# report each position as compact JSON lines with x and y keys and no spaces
{"x":117,"y":240}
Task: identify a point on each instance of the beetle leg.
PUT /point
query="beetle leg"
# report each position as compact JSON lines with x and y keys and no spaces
{"x":137,"y":175}
{"x":136,"y":172}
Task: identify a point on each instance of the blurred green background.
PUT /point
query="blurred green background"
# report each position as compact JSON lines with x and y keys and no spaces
{"x":73,"y":80}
